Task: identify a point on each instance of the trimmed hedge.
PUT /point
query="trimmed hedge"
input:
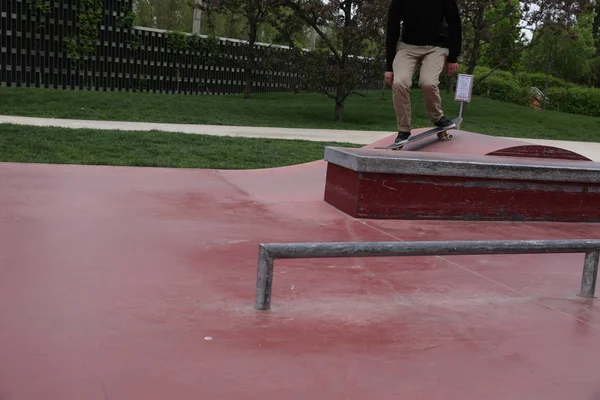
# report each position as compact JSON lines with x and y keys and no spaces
{"x":499,"y":88}
{"x":564,"y":96}
{"x":504,"y":86}
{"x":505,"y":75}
{"x":538,"y":80}
{"x":575,"y":100}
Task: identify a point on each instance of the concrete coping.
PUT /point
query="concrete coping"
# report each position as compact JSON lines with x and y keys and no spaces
{"x":462,"y":165}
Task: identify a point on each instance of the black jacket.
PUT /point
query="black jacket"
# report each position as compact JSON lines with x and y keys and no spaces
{"x":424,"y":23}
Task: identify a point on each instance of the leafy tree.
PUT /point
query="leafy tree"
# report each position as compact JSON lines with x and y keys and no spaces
{"x":289,"y":29}
{"x":177,"y":15}
{"x":504,"y":36}
{"x":171,"y":15}
{"x":567,"y":55}
{"x":596,"y":23}
{"x":482,"y":18}
{"x":347,"y":28}
{"x":479,"y":19}
{"x":596,"y":35}
{"x":255,"y":14}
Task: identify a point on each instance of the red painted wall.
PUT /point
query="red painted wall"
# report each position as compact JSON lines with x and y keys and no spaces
{"x":391,"y":196}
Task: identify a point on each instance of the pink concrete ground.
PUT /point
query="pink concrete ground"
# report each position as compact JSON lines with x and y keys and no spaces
{"x":112,"y":278}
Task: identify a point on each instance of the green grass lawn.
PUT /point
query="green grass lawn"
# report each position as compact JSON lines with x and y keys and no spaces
{"x":292,"y":110}
{"x":151,"y":149}
{"x":166,"y":149}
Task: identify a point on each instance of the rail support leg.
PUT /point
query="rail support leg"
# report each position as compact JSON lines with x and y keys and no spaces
{"x":264,"y":280}
{"x":590,"y":275}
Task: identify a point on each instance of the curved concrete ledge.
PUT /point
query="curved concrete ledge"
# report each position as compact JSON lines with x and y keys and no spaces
{"x":471,"y":143}
{"x":472,"y":166}
{"x":539,"y":151}
{"x":369,"y":183}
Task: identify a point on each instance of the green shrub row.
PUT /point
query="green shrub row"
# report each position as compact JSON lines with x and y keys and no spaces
{"x":563,"y":96}
{"x":538,"y":80}
{"x":498,"y":88}
{"x":576,"y":100}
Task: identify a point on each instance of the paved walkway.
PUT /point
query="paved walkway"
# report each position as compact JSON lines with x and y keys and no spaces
{"x":590,"y":150}
{"x":336,"y":135}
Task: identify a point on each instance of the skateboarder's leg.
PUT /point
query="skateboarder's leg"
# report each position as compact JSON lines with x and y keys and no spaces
{"x":404,"y":66}
{"x":431,"y":68}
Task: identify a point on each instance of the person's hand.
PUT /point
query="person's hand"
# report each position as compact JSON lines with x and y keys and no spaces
{"x":389,"y":77}
{"x":452,"y":68}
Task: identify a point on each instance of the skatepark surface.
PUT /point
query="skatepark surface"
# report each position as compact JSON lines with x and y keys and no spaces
{"x":138,"y":283}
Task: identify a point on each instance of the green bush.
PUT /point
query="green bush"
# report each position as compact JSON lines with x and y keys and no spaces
{"x":498,"y":75}
{"x":504,"y":75}
{"x":499,"y":88}
{"x":575,"y":100}
{"x":538,"y":80}
{"x":504,"y":86}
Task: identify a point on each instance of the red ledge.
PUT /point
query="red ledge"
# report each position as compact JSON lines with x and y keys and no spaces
{"x":366,"y":183}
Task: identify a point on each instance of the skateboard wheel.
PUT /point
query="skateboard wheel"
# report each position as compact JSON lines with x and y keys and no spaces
{"x":450,"y":136}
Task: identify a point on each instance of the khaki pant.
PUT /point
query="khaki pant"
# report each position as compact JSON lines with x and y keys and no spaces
{"x":432,"y":59}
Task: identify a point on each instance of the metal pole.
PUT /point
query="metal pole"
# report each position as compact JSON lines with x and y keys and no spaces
{"x":428,"y":248}
{"x":264,"y":280}
{"x":590,"y":275}
{"x":268,"y":252}
{"x":460,"y":113}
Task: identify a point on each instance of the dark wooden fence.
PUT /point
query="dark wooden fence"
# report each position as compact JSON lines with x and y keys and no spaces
{"x":33,"y":54}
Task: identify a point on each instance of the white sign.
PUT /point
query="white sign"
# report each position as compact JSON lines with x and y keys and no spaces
{"x":464,"y":86}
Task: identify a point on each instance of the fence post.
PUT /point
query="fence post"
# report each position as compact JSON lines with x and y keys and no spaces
{"x":590,"y":275}
{"x":264,"y":280}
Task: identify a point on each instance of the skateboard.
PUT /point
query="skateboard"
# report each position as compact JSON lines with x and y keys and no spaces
{"x":442,"y":133}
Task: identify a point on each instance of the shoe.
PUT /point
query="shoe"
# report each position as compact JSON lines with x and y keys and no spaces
{"x":402,"y":137}
{"x":445,"y":123}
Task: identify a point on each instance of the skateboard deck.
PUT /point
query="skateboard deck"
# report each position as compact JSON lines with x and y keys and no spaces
{"x":442,"y":133}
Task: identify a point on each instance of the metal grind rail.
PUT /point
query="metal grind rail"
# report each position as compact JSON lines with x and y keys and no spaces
{"x":269,"y":252}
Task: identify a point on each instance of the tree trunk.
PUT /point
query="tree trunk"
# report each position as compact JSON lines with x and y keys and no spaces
{"x":478,"y":32}
{"x":449,"y":83}
{"x":248,"y":87}
{"x":197,"y":17}
{"x":473,"y":59}
{"x":339,"y":104}
{"x":474,"y":54}
{"x":551,"y":53}
{"x":340,"y":95}
{"x":313,"y":38}
{"x":596,"y":24}
{"x":249,"y":70}
{"x":547,"y":83}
